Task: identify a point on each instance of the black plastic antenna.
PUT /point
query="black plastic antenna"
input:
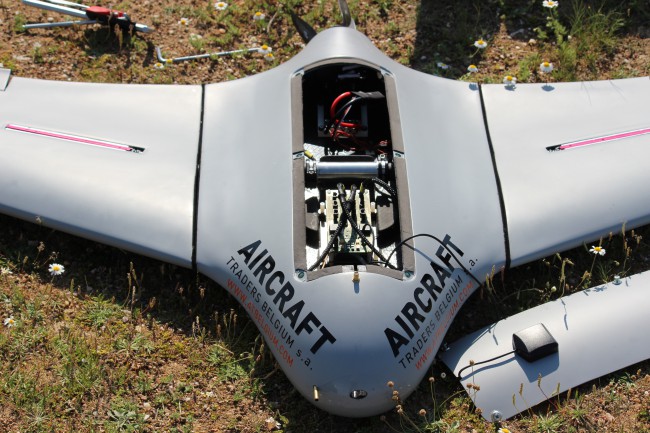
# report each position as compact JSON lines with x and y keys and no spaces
{"x":345,"y":11}
{"x":305,"y":31}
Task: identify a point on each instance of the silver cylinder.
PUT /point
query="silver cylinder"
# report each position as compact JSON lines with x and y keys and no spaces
{"x":346,"y":169}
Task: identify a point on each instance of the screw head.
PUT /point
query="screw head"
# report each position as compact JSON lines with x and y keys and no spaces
{"x":496,"y":416}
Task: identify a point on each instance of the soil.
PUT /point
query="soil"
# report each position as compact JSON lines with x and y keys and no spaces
{"x":419,"y":35}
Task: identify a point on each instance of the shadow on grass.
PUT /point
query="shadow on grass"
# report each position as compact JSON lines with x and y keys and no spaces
{"x":446,"y":31}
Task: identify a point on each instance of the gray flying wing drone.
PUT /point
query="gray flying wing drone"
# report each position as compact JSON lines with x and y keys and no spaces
{"x":349,"y":203}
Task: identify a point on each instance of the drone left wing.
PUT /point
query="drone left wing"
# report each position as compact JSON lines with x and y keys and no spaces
{"x":113,"y":163}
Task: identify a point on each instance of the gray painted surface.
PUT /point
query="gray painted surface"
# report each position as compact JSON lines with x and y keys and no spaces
{"x":245,"y":196}
{"x":598,"y":330}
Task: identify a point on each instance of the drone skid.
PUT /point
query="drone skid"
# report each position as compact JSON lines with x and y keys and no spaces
{"x":75,"y":12}
{"x":90,"y":14}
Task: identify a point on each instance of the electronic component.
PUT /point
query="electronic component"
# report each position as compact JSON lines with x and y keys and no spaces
{"x":534,"y":343}
{"x":351,"y":195}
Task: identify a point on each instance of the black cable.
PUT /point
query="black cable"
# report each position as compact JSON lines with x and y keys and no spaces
{"x":339,"y":227}
{"x":398,"y":246}
{"x":385,"y":185}
{"x":483,"y":362}
{"x":356,"y":229}
{"x":371,"y":232}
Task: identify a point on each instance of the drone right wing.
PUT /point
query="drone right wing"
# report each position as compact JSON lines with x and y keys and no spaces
{"x":571,"y":159}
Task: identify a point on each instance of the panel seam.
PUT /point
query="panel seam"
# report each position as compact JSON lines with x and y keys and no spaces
{"x":197,"y":179}
{"x":502,"y":204}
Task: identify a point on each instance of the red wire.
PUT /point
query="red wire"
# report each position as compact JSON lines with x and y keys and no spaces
{"x":336,"y":102}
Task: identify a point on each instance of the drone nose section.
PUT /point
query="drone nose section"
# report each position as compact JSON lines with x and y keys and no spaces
{"x":357,"y":388}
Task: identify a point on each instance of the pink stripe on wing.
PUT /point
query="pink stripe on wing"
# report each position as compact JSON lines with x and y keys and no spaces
{"x":603,"y":139}
{"x":73,"y":138}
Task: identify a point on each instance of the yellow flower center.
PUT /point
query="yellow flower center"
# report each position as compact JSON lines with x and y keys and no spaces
{"x":265,"y":47}
{"x":509,"y":78}
{"x":258,"y":14}
{"x":546,"y":64}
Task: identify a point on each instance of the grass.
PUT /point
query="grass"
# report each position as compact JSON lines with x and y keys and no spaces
{"x":121,"y":343}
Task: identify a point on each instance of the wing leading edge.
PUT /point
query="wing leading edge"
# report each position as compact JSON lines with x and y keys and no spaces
{"x":112,"y":163}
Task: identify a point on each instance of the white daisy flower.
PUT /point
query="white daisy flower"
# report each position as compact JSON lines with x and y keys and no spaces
{"x":9,"y":322}
{"x":220,"y":6}
{"x":503,"y":430}
{"x":264,"y":49}
{"x":5,"y":271}
{"x":472,"y":68}
{"x":269,"y":57}
{"x":480,"y":44}
{"x":597,"y":250}
{"x":159,"y":66}
{"x":258,"y":16}
{"x":510,"y":81}
{"x":546,"y":67}
{"x":551,"y":4}
{"x":56,"y":269}
{"x":184,"y":21}
{"x":442,"y":65}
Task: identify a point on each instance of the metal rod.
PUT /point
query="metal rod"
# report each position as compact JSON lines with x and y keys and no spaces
{"x":143,"y":28}
{"x":67,"y":3}
{"x":56,"y":8}
{"x":59,"y":24}
{"x":202,"y":56}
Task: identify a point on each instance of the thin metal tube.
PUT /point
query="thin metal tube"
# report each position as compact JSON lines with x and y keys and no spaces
{"x":202,"y":56}
{"x":59,"y":24}
{"x":67,"y":3}
{"x":56,"y":8}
